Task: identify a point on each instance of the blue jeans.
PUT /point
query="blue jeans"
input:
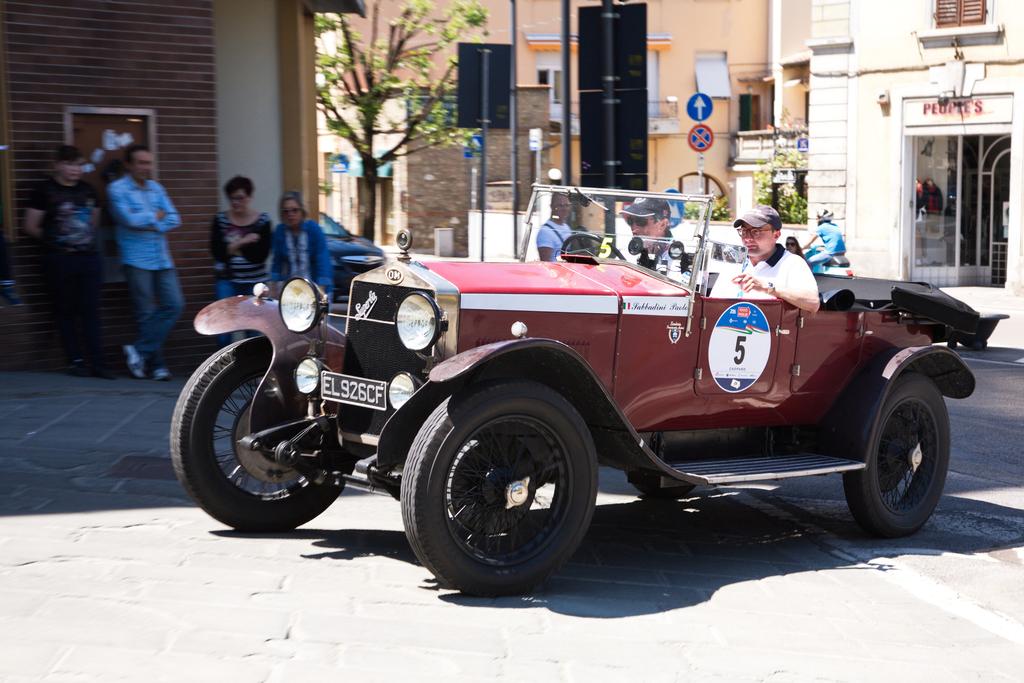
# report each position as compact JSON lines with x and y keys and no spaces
{"x":158,"y":303}
{"x":820,"y":257}
{"x":223,"y":290}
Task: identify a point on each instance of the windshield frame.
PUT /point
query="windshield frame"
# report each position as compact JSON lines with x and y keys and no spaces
{"x":701,"y":224}
{"x":531,"y":223}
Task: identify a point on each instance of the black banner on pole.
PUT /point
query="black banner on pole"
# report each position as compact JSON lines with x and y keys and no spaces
{"x":499,"y":84}
{"x":630,"y":75}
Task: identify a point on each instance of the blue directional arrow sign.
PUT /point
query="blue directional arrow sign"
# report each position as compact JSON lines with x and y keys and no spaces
{"x":698,"y":107}
{"x":473,"y":148}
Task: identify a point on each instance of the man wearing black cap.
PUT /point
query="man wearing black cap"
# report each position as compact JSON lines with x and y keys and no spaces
{"x":648,"y":217}
{"x":769,"y":270}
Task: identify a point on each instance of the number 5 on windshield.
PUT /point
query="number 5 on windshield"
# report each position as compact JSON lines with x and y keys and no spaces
{"x":606,"y":247}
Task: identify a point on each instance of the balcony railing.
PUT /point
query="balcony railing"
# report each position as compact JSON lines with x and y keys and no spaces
{"x":662,"y":117}
{"x":756,"y":146}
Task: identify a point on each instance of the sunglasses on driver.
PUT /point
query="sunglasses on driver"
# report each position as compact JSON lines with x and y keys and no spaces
{"x":638,"y":221}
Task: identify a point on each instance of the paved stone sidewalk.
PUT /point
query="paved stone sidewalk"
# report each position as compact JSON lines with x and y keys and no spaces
{"x":108,"y":572}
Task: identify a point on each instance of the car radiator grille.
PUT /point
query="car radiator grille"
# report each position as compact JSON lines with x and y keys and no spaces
{"x":374,"y":351}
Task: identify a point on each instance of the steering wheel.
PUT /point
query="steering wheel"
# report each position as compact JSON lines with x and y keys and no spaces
{"x":590,"y":244}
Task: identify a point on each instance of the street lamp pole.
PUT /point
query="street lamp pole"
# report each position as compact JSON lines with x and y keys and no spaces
{"x":566,"y":104}
{"x":513,"y":109}
{"x":608,"y":81}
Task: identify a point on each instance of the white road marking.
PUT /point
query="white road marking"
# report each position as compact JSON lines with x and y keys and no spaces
{"x":949,"y":600}
{"x":995,"y":362}
{"x":907,"y":578}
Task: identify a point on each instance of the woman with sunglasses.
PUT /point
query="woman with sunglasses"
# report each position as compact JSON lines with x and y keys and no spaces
{"x":300,"y":248}
{"x":240,"y":243}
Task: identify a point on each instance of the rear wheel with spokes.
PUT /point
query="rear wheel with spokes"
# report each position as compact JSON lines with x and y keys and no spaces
{"x":907,"y":463}
{"x":240,"y":488}
{"x":499,"y":488}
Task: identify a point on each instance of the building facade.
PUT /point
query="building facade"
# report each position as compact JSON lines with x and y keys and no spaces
{"x":748,"y":55}
{"x":917,"y":136}
{"x":215,"y":87}
{"x":733,"y":50}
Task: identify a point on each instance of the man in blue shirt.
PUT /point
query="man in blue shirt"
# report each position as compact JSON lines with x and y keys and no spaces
{"x":555,"y":230}
{"x":831,"y":236}
{"x":144,"y":213}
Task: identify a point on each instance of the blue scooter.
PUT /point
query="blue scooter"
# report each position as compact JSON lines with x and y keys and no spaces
{"x":837,"y":265}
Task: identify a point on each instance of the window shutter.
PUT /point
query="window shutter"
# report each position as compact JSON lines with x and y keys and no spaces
{"x":947,"y":13}
{"x":972,"y":12}
{"x":959,"y":12}
{"x":746,"y":113}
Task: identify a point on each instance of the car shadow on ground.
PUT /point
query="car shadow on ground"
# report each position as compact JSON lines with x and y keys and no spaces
{"x":650,"y":556}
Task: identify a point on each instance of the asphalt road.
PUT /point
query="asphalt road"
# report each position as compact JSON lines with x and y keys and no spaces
{"x":973,"y":546}
{"x":108,"y":572}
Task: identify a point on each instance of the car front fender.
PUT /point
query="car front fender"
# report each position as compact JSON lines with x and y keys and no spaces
{"x":276,"y":400}
{"x":545,"y":361}
{"x":851,"y":424}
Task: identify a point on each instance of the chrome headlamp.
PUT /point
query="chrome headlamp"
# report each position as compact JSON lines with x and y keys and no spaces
{"x":401,"y":389}
{"x":418,"y":321}
{"x":307,"y":375}
{"x":301,"y":306}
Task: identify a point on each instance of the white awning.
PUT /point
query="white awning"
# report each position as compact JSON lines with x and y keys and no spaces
{"x":713,"y":75}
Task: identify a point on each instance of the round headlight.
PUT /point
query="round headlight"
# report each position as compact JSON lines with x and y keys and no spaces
{"x":300,"y":305}
{"x":307,"y":376}
{"x":401,"y":389}
{"x":417,"y":321}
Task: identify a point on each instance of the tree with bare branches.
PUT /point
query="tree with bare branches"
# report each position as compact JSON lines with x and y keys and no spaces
{"x":407,"y":60}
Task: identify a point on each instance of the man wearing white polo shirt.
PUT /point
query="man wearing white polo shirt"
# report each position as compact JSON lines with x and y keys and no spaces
{"x":770,"y":270}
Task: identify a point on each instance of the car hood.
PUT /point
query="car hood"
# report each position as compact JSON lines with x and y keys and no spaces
{"x":570,"y":279}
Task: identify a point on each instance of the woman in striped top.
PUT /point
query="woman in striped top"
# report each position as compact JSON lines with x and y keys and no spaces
{"x":240,"y":242}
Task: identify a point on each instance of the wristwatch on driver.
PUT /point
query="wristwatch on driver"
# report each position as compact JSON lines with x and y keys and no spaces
{"x":771,"y":287}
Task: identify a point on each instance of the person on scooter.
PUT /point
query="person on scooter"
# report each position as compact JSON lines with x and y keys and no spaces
{"x":831,"y":236}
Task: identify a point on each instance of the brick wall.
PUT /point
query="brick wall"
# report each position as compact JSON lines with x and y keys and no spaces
{"x":438,"y":179}
{"x":129,"y":54}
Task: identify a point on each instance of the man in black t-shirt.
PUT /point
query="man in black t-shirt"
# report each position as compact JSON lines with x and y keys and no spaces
{"x":63,"y":214}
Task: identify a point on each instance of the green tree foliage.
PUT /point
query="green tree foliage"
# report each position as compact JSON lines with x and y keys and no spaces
{"x":792,"y":206}
{"x":409,"y":61}
{"x":719,"y":209}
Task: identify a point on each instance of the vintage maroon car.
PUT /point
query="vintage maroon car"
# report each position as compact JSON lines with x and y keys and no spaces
{"x":483,"y":396}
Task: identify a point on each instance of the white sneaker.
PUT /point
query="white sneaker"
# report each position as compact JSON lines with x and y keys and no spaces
{"x":161,"y":374}
{"x":133,"y":359}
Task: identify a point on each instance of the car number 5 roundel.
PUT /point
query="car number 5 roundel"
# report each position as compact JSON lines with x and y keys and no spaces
{"x":740,"y":345}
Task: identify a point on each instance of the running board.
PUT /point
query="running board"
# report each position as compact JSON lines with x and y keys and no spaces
{"x":732,"y":470}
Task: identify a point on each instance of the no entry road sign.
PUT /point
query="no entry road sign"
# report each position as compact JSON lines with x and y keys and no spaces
{"x":701,"y":138}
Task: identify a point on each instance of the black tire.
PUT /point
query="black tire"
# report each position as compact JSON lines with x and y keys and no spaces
{"x":458,"y":488}
{"x":236,"y":491}
{"x":893,"y":496}
{"x":649,"y":485}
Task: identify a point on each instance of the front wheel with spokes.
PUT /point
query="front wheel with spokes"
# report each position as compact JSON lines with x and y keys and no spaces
{"x":499,"y":487}
{"x":906,"y":464}
{"x":240,"y":488}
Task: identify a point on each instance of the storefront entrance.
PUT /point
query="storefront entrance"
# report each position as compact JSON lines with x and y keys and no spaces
{"x":961,"y":211}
